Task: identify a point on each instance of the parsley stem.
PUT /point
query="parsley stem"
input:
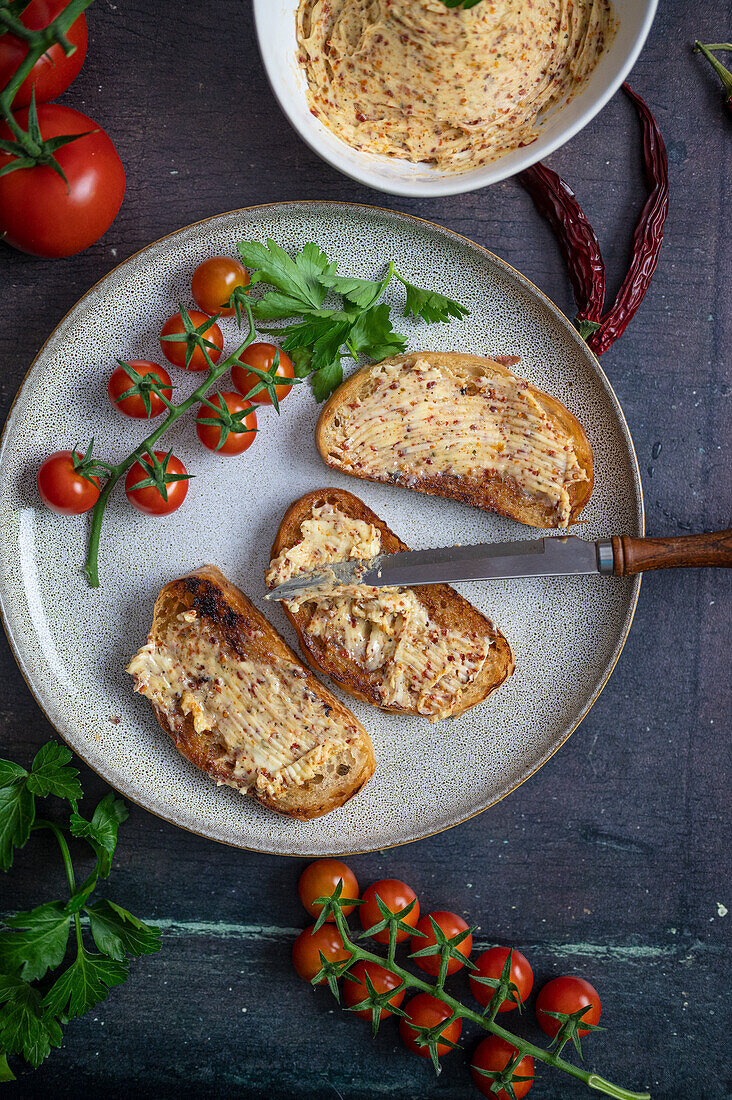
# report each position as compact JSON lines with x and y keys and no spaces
{"x":41,"y":823}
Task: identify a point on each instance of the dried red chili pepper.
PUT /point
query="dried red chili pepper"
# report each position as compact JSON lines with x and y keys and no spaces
{"x":648,"y":234}
{"x":724,"y":74}
{"x":557,"y":202}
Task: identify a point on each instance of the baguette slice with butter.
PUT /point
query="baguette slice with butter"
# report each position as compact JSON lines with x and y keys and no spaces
{"x":239,"y":704}
{"x":460,"y":426}
{"x":413,"y":651}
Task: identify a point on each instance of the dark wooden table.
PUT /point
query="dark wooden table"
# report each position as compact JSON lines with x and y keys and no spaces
{"x":613,"y":861}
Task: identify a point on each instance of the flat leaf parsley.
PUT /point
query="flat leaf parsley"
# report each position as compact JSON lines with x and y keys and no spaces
{"x":323,"y":336}
{"x":35,"y":1000}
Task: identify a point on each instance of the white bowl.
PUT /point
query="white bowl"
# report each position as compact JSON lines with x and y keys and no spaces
{"x":275,"y":24}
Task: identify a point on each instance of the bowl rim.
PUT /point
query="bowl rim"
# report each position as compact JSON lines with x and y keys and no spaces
{"x":460,"y":182}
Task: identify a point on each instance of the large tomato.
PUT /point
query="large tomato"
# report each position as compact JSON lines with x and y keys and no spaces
{"x":53,"y":73}
{"x":38,"y":212}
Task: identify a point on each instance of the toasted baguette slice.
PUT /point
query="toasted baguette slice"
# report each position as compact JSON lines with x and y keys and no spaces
{"x":239,"y":704}
{"x":447,"y":611}
{"x":492,"y":427}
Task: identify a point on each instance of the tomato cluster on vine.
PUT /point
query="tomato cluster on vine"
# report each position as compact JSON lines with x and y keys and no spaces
{"x":441,"y":943}
{"x":226,"y":422}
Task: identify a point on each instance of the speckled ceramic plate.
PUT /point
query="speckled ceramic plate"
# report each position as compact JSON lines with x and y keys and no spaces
{"x":72,"y":642}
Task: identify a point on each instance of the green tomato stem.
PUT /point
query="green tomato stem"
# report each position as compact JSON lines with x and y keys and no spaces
{"x":461,"y":1011}
{"x":38,"y":44}
{"x":175,"y":412}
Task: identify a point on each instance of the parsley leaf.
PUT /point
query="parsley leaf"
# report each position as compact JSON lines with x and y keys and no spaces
{"x":25,"y":1026}
{"x":17,"y":811}
{"x":429,"y":305}
{"x":323,"y":334}
{"x":116,"y":931}
{"x":10,"y":773}
{"x":40,"y":943}
{"x":50,"y":774}
{"x":83,"y":984}
{"x":359,"y":292}
{"x":327,"y":379}
{"x":301,"y":360}
{"x":6,"y":1073}
{"x":101,"y":831}
{"x":298,"y":277}
{"x":373,"y":334}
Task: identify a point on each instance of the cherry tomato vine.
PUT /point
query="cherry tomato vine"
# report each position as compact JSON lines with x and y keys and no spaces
{"x":506,"y":1079}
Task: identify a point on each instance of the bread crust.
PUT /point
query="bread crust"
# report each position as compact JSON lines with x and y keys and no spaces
{"x":489,"y":492}
{"x":444,"y":605}
{"x":240,"y":628}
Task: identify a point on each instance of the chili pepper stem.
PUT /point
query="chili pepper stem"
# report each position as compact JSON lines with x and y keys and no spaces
{"x":461,"y":1011}
{"x":723,"y":73}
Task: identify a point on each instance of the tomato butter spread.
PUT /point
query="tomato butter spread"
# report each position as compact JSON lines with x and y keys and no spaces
{"x":261,"y":714}
{"x":419,"y":665}
{"x":454,"y":87}
{"x":421,"y":420}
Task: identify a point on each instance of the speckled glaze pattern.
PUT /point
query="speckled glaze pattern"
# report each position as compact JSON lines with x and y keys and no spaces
{"x":72,"y":643}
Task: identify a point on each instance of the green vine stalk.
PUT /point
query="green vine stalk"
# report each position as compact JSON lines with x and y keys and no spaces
{"x":431,"y":1037}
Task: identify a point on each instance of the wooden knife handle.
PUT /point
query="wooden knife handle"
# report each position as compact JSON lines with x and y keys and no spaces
{"x":690,"y":551}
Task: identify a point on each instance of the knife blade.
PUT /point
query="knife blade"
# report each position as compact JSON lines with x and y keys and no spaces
{"x":559,"y":556}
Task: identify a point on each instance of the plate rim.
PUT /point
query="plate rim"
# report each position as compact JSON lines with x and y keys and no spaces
{"x":553,"y":308}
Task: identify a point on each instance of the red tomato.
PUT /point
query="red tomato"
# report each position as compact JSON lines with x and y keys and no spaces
{"x":235,"y":443}
{"x":53,"y":73}
{"x":426,"y":1011}
{"x":175,"y":350}
{"x":150,"y":500}
{"x":396,"y":896}
{"x":320,"y":879}
{"x":308,"y":945}
{"x":451,"y":924}
{"x":38,"y":212}
{"x":567,"y":994}
{"x":62,"y":488}
{"x":262,"y":357}
{"x":490,"y":965}
{"x":495,"y":1053}
{"x":381,"y":979}
{"x":214,"y":281}
{"x":120,"y":383}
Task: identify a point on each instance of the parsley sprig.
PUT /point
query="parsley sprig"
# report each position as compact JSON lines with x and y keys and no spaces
{"x":324,"y":336}
{"x":35,"y":1000}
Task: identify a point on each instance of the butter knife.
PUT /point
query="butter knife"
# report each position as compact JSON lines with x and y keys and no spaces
{"x":558,"y":556}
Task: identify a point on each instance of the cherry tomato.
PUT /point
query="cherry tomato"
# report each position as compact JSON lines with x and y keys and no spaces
{"x":262,"y":357}
{"x":235,"y":443}
{"x":451,"y":924}
{"x":395,"y":895}
{"x":39,"y":213}
{"x":62,"y":488}
{"x":175,"y":350}
{"x":495,"y":1053}
{"x":426,"y":1011}
{"x":490,"y":965}
{"x":381,"y":979}
{"x":308,"y":945}
{"x":52,"y":74}
{"x":214,"y":281}
{"x":120,"y":383}
{"x":320,"y":879}
{"x":150,"y":500}
{"x":567,"y":994}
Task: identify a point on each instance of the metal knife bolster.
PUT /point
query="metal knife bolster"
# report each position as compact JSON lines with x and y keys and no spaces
{"x":564,"y":555}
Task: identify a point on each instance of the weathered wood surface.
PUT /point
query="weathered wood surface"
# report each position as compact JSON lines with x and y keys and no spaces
{"x":613,"y":861}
